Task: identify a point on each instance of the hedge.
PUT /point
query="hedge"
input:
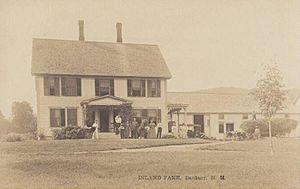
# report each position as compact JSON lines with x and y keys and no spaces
{"x":72,"y":132}
{"x":280,"y":126}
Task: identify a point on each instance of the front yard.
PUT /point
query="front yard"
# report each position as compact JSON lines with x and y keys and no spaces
{"x":246,"y":164}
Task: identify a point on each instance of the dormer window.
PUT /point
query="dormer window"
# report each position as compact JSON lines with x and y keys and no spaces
{"x":104,"y":87}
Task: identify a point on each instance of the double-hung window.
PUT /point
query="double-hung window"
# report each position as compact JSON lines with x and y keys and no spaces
{"x":57,"y":117}
{"x":136,"y":87}
{"x":70,"y":86}
{"x":51,"y":86}
{"x":153,"y":87}
{"x":104,"y":87}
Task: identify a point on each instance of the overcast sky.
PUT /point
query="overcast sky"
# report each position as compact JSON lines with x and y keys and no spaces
{"x":206,"y":44}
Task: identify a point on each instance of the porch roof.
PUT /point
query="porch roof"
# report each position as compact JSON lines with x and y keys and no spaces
{"x":106,"y":100}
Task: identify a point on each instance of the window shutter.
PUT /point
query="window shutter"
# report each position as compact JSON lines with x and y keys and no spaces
{"x":56,"y":86}
{"x":78,"y":81}
{"x":158,"y":88}
{"x":52,"y":118}
{"x":129,"y":87}
{"x":149,"y":88}
{"x":72,"y":117}
{"x":112,"y":90}
{"x":62,"y":118}
{"x":63,"y":86}
{"x":46,"y":86}
{"x":143,"y":87}
{"x":97,"y":87}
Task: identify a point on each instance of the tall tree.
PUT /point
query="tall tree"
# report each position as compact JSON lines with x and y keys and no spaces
{"x":5,"y":125}
{"x":22,"y":117}
{"x":269,"y":93}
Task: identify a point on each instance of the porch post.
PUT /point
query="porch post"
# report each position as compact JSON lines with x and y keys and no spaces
{"x":84,"y":114}
{"x":185,"y":115}
{"x":178,"y":120}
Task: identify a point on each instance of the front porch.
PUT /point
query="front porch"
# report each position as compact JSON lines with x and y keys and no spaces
{"x":103,"y":109}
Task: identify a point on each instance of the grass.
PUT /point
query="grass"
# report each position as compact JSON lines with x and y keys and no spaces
{"x":245,"y":164}
{"x":71,"y":146}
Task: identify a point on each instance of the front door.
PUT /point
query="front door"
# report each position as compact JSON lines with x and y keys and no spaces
{"x":199,"y":121}
{"x":104,"y":120}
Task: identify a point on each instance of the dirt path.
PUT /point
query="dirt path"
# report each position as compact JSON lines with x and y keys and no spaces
{"x":169,"y":148}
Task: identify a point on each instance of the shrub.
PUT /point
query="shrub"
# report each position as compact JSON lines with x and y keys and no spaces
{"x":280,"y":126}
{"x":71,"y":132}
{"x":13,"y":137}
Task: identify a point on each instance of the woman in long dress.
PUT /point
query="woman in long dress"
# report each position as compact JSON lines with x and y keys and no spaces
{"x":152,"y":132}
{"x":127,"y":130}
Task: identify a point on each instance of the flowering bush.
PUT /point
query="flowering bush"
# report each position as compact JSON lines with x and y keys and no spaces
{"x":72,"y":132}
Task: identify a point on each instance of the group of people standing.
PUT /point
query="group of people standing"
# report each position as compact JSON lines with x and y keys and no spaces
{"x":134,"y":129}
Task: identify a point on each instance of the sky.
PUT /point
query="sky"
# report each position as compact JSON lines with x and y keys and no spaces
{"x":205,"y":43}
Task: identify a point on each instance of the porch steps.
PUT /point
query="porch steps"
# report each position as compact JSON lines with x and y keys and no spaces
{"x":108,"y":136}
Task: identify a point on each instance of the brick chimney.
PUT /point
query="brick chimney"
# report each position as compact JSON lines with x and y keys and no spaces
{"x":81,"y":30}
{"x":119,"y":32}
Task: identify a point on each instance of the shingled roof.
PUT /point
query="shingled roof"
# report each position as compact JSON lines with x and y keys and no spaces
{"x":224,"y":102}
{"x":86,"y":58}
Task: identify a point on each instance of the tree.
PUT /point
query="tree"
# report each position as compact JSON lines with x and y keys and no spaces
{"x":270,"y":95}
{"x":126,"y":112}
{"x":23,"y":119}
{"x":280,"y":126}
{"x":5,"y":125}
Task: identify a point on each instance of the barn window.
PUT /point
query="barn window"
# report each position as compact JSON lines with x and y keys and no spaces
{"x":221,"y":127}
{"x":229,"y":127}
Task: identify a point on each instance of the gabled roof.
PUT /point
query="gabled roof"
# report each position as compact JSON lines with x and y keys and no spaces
{"x":106,"y":100}
{"x":216,"y":101}
{"x":67,"y":57}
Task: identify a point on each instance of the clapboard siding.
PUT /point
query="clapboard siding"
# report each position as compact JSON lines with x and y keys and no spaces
{"x":44,"y":103}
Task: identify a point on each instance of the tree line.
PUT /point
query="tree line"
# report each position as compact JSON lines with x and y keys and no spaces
{"x":23,"y":119}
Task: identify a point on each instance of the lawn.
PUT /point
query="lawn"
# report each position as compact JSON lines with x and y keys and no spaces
{"x":245,"y":164}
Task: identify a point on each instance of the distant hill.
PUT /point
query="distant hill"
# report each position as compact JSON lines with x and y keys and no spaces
{"x":224,"y":90}
{"x":292,"y":94}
